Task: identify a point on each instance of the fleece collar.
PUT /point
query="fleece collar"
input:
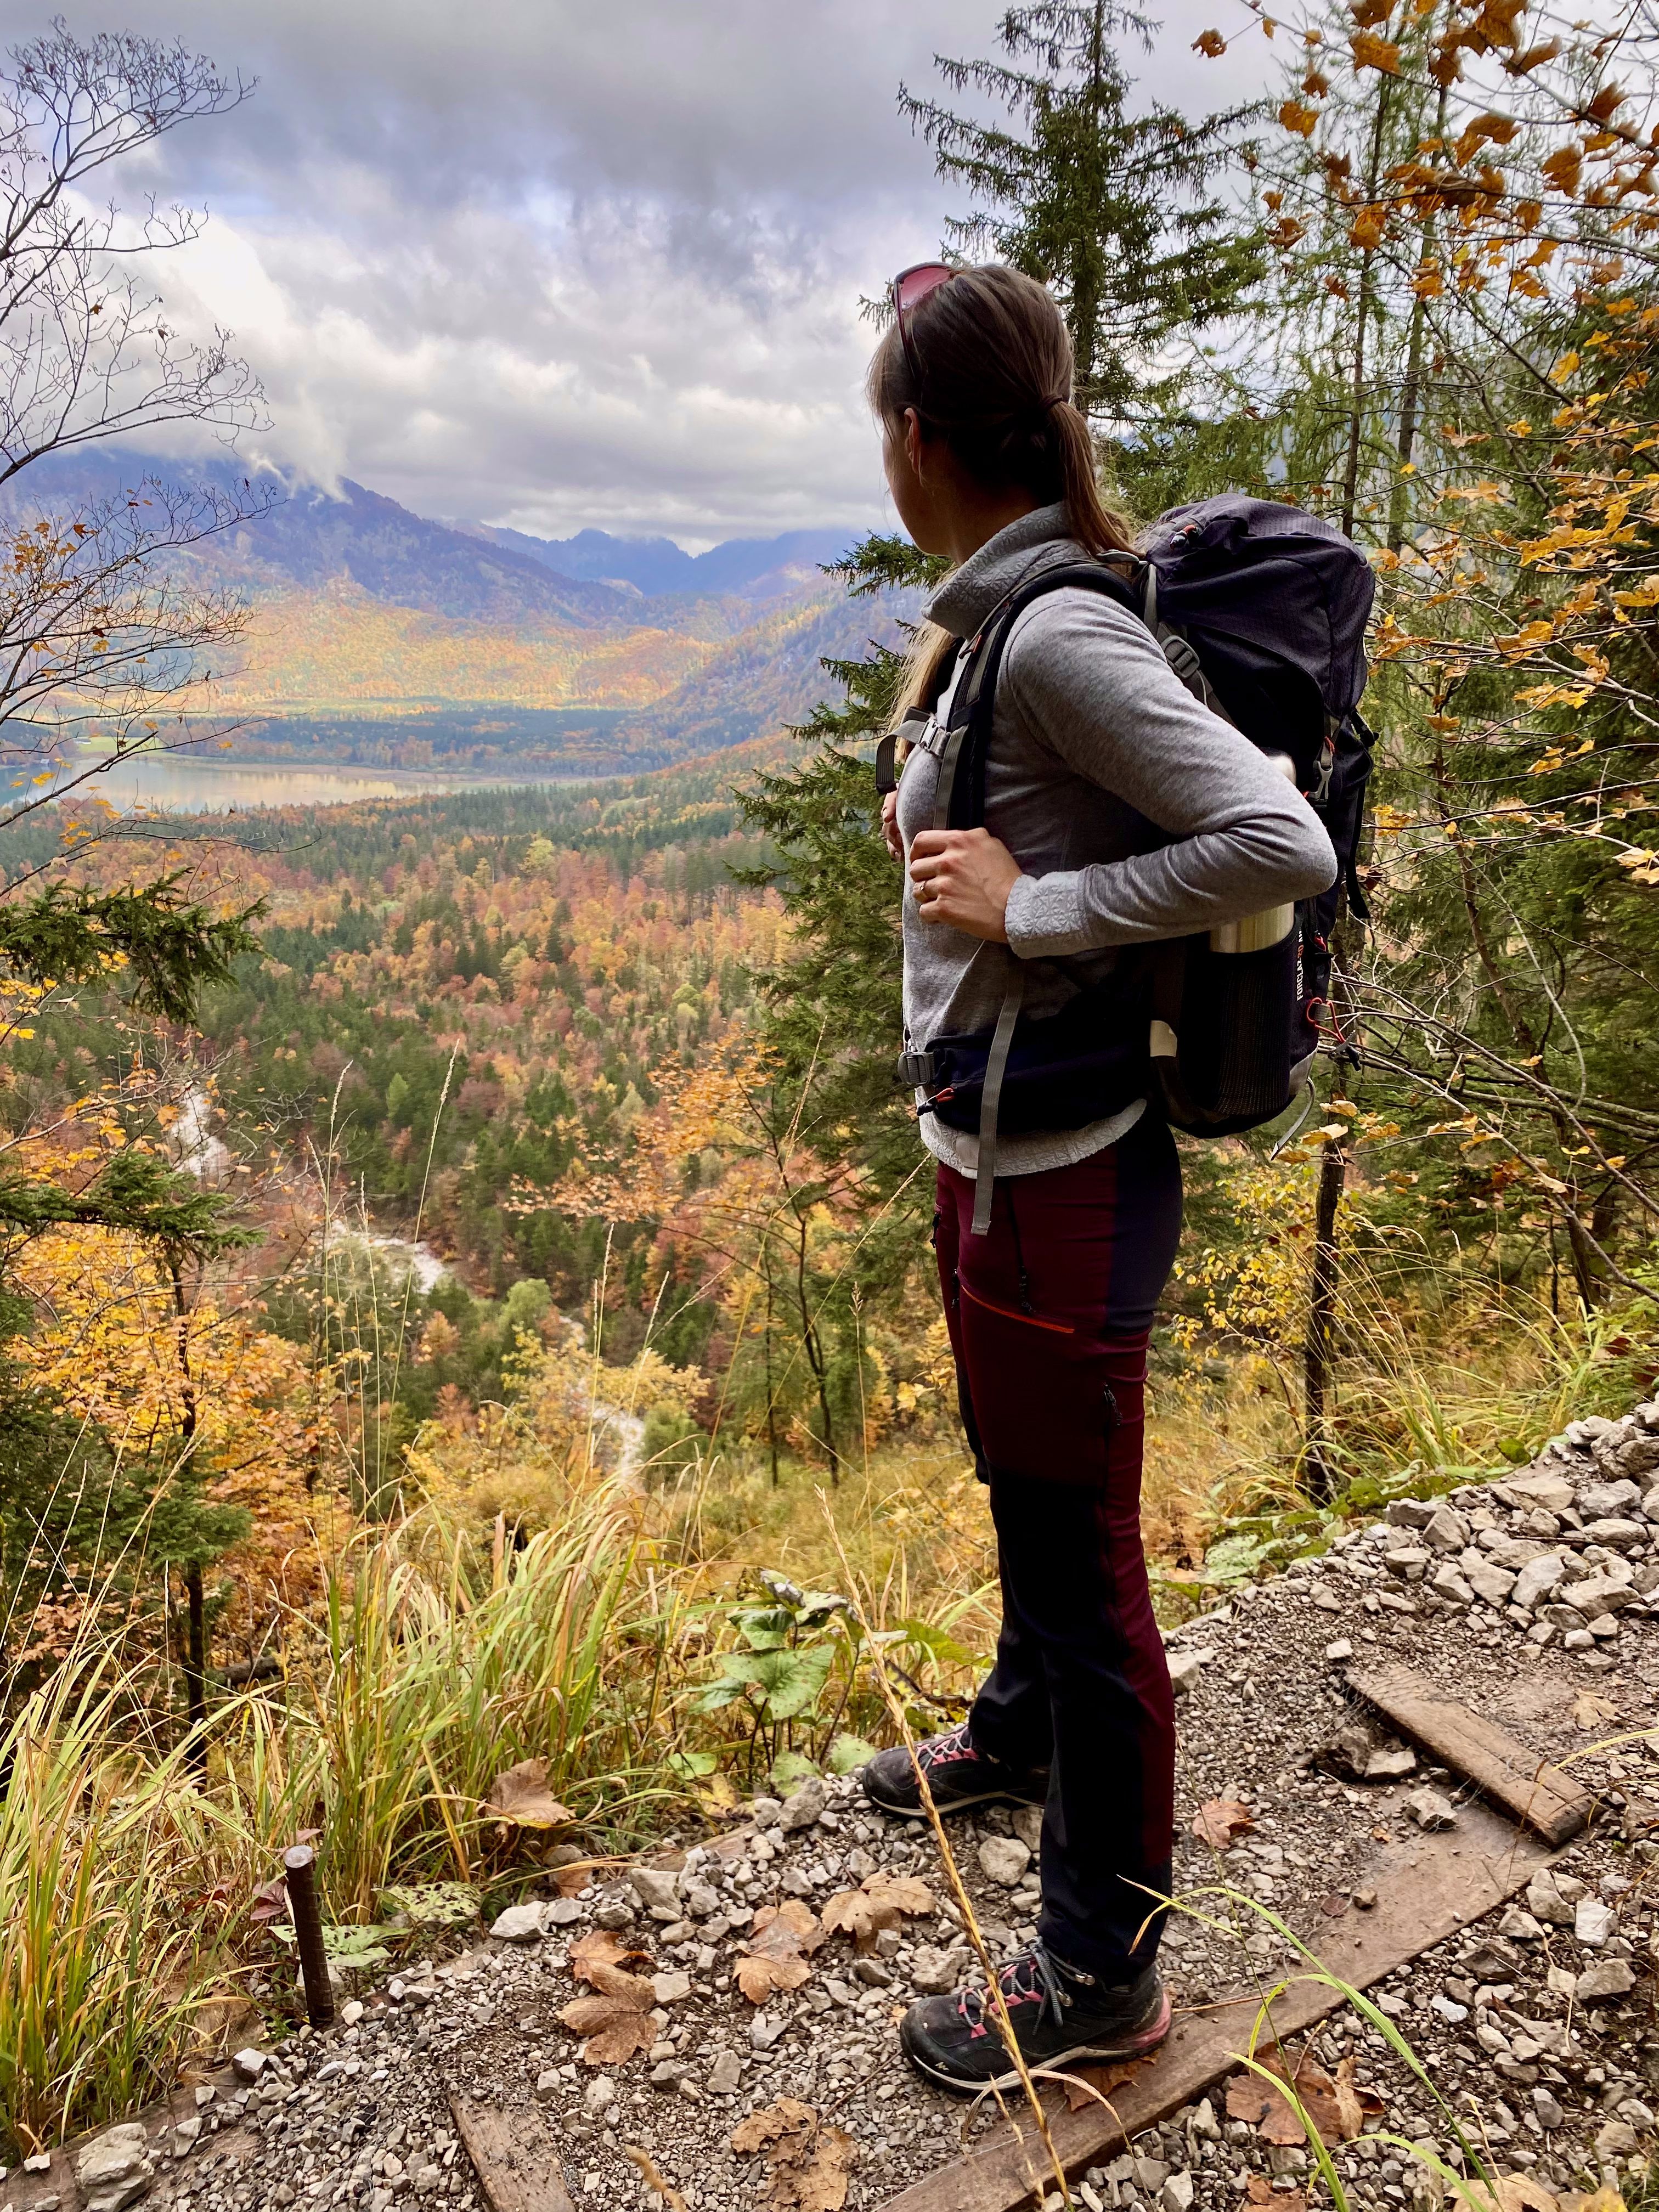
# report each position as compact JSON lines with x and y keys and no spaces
{"x":1037,"y":541}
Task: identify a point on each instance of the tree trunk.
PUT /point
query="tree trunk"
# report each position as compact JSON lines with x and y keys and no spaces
{"x":814,"y":1349}
{"x":771,"y":1395}
{"x":196,"y":1649}
{"x":196,"y":1667}
{"x":1317,"y":1471}
{"x":1318,"y":1349}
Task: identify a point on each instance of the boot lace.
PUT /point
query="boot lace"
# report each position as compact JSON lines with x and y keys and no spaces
{"x":953,"y":1744}
{"x":1029,"y":1978}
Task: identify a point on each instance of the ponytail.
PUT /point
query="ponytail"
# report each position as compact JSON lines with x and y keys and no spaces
{"x":989,"y":369}
{"x":1096,"y":526}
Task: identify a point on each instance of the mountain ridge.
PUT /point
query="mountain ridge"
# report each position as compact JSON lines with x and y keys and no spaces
{"x":380,"y":635}
{"x":657,"y":568}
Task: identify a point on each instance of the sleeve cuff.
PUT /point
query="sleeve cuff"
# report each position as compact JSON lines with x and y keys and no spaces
{"x":1045,"y":916}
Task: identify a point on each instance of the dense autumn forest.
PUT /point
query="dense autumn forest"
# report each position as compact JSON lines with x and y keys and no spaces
{"x":452,"y":1245}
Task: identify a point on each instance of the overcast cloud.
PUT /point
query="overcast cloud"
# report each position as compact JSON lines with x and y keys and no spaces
{"x":553,"y":262}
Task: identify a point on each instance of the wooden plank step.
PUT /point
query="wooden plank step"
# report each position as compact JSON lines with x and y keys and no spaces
{"x":1500,"y":1765}
{"x":513,"y":2154}
{"x":1428,"y":1887}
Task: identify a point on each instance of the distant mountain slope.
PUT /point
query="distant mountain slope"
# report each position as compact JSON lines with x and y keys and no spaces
{"x":378,"y":634}
{"x":763,"y":681}
{"x":310,"y":537}
{"x":756,"y":568}
{"x":365,"y":685}
{"x":335,"y":648}
{"x":393,"y":554}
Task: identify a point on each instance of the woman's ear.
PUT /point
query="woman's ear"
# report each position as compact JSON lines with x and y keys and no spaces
{"x":915,"y":443}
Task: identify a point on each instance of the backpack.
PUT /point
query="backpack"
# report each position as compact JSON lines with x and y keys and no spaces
{"x":1261,"y":612}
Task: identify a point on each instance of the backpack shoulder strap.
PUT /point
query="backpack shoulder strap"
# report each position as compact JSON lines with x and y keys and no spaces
{"x":959,"y":803}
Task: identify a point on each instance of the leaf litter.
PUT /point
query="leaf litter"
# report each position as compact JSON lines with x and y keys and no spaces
{"x":1220,"y":1822}
{"x":1337,"y":2105}
{"x":810,"y":2164}
{"x":880,"y":1901}
{"x":775,"y":1956}
{"x":615,"y":2023}
{"x":520,"y":1798}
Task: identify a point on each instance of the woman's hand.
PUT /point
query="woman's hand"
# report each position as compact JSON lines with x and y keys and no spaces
{"x":890,"y":828}
{"x":964,"y":877}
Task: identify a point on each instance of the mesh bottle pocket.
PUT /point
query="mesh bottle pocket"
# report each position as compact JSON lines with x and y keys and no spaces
{"x":1234,"y":1051}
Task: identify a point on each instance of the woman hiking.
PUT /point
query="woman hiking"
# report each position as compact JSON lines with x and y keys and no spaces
{"x":1118,"y":811}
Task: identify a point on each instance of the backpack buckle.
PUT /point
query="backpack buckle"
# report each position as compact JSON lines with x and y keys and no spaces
{"x":1182,"y":658}
{"x":915,"y":1069}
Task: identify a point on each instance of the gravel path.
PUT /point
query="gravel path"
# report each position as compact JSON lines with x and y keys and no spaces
{"x":1535,"y":1599}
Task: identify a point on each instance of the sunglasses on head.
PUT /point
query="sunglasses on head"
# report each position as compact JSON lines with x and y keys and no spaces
{"x":907,"y":290}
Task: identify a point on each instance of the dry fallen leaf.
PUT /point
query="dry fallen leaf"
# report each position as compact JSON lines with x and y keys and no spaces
{"x":653,"y":2180}
{"x":1247,"y":2097}
{"x":1336,"y":2107}
{"x":1087,"y":2085}
{"x":1589,"y":1711}
{"x":612,"y":2029}
{"x":1258,"y":2190}
{"x":1220,"y":1822}
{"x":1519,"y":2192}
{"x":636,"y":1990}
{"x":775,"y":1955}
{"x":880,"y":1901}
{"x":809,"y":2164}
{"x":601,"y":1947}
{"x":520,"y":1796}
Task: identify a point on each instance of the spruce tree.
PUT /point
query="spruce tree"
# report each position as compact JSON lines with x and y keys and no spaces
{"x":1110,"y":206}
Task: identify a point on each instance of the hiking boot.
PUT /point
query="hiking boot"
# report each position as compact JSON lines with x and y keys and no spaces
{"x":1060,"y":2017}
{"x":958,"y":1775}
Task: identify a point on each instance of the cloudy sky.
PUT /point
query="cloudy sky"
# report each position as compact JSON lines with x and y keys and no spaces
{"x":555,"y":263}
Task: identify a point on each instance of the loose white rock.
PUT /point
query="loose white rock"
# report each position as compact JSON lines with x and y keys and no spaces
{"x":1536,"y":1580}
{"x":114,"y":2169}
{"x":1004,"y":1859}
{"x":1592,"y":1922}
{"x":1430,"y":1810}
{"x":1185,"y":1667}
{"x":519,"y":1923}
{"x":725,"y":2074}
{"x":1546,"y":1900}
{"x":802,"y":1809}
{"x":1607,"y":1978}
{"x":654,"y":1888}
{"x":934,"y":1972}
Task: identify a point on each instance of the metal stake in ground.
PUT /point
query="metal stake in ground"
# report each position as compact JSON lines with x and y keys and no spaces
{"x":300,"y":1866}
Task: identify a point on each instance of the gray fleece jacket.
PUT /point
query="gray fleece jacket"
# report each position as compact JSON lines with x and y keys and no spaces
{"x":1134,"y":812}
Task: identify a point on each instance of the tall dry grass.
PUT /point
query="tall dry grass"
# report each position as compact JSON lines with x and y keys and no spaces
{"x":106,"y":1926}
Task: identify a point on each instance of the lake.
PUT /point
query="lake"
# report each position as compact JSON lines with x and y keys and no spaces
{"x":180,"y":783}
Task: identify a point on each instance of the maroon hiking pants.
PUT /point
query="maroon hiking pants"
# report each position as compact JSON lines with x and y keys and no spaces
{"x":1049,"y":1315}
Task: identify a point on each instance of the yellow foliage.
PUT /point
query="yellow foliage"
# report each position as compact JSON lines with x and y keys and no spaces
{"x":174,"y":1378}
{"x":570,"y":1424}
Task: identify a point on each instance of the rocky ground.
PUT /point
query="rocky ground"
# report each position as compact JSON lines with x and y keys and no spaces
{"x":1534,"y":1598}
